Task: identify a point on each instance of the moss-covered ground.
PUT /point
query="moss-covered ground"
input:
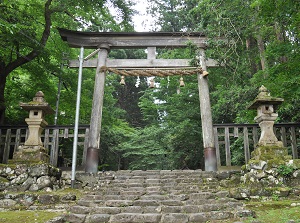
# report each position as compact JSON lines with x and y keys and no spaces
{"x":27,"y":216}
{"x":274,"y":211}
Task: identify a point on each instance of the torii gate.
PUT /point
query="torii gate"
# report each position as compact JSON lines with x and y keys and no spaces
{"x":104,"y":41}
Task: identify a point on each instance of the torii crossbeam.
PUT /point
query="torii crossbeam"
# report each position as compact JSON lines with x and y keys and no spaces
{"x":104,"y":41}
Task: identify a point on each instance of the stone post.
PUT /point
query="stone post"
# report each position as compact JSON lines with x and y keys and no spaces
{"x":33,"y":150}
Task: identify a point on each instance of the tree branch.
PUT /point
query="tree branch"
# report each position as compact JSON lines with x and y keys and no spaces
{"x":35,"y":52}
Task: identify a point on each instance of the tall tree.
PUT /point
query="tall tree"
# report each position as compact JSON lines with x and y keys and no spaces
{"x":28,"y":25}
{"x":128,"y":94}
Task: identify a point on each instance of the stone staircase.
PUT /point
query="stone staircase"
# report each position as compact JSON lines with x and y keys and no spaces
{"x":164,"y":196}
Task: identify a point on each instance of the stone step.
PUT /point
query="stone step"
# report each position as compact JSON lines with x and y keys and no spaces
{"x":165,"y":196}
{"x":199,"y":217}
{"x":133,"y":217}
{"x":220,"y":196}
{"x":158,"y":200}
{"x":152,"y":207}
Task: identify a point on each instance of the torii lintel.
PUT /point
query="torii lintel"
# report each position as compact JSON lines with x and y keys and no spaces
{"x":125,"y":40}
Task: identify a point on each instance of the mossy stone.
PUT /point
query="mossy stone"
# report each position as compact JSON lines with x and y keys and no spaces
{"x":296,"y":163}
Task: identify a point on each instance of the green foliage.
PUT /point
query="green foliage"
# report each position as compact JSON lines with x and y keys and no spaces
{"x":31,"y":45}
{"x":237,"y":152}
{"x":144,"y":149}
{"x":285,"y":170}
{"x":230,"y":104}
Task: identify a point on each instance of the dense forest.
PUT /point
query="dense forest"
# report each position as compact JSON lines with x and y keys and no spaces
{"x":146,"y":128}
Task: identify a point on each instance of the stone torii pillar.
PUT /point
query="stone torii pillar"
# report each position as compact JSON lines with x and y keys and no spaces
{"x":92,"y":157}
{"x":210,"y":158}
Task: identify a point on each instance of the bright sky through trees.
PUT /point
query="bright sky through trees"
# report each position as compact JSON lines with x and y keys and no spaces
{"x":143,"y":21}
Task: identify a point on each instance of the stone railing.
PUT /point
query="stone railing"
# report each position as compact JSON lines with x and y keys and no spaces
{"x":227,"y":136}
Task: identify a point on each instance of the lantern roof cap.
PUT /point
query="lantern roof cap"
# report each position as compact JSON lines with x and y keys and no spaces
{"x":264,"y":98}
{"x":38,"y":103}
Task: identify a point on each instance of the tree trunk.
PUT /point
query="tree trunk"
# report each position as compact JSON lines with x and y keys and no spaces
{"x":2,"y":99}
{"x":251,"y":46}
{"x":261,"y":48}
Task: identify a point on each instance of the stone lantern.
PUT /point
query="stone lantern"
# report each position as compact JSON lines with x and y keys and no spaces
{"x":269,"y":149}
{"x":33,"y":149}
{"x":265,"y":106}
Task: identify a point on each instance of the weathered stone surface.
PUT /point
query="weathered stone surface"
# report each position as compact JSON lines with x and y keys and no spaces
{"x":97,"y":218}
{"x":39,"y":170}
{"x":174,"y":218}
{"x":171,"y":203}
{"x":75,"y":218}
{"x":190,"y":209}
{"x":154,"y":197}
{"x":222,"y":194}
{"x":239,"y":193}
{"x":244,"y":214}
{"x":44,"y":181}
{"x":144,"y":203}
{"x":21,"y":169}
{"x":88,"y":203}
{"x":68,"y":197}
{"x":296,"y":174}
{"x":105,"y":210}
{"x":132,"y":209}
{"x":282,"y":191}
{"x":179,"y":197}
{"x":28,"y":182}
{"x":260,"y":165}
{"x":123,"y":217}
{"x":118,"y":203}
{"x":147,"y":218}
{"x":87,"y":178}
{"x":198,"y":217}
{"x":201,"y":195}
{"x":218,"y":215}
{"x":7,"y":170}
{"x":152,"y":209}
{"x":223,"y":175}
{"x":76,"y":209}
{"x":3,"y":184}
{"x":26,"y":199}
{"x":20,"y":178}
{"x":48,"y":199}
{"x":59,"y":219}
{"x":171,"y":209}
{"x":7,"y":203}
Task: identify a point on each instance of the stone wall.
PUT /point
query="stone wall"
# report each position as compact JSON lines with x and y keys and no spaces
{"x":253,"y":183}
{"x":276,"y":181}
{"x":26,"y":177}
